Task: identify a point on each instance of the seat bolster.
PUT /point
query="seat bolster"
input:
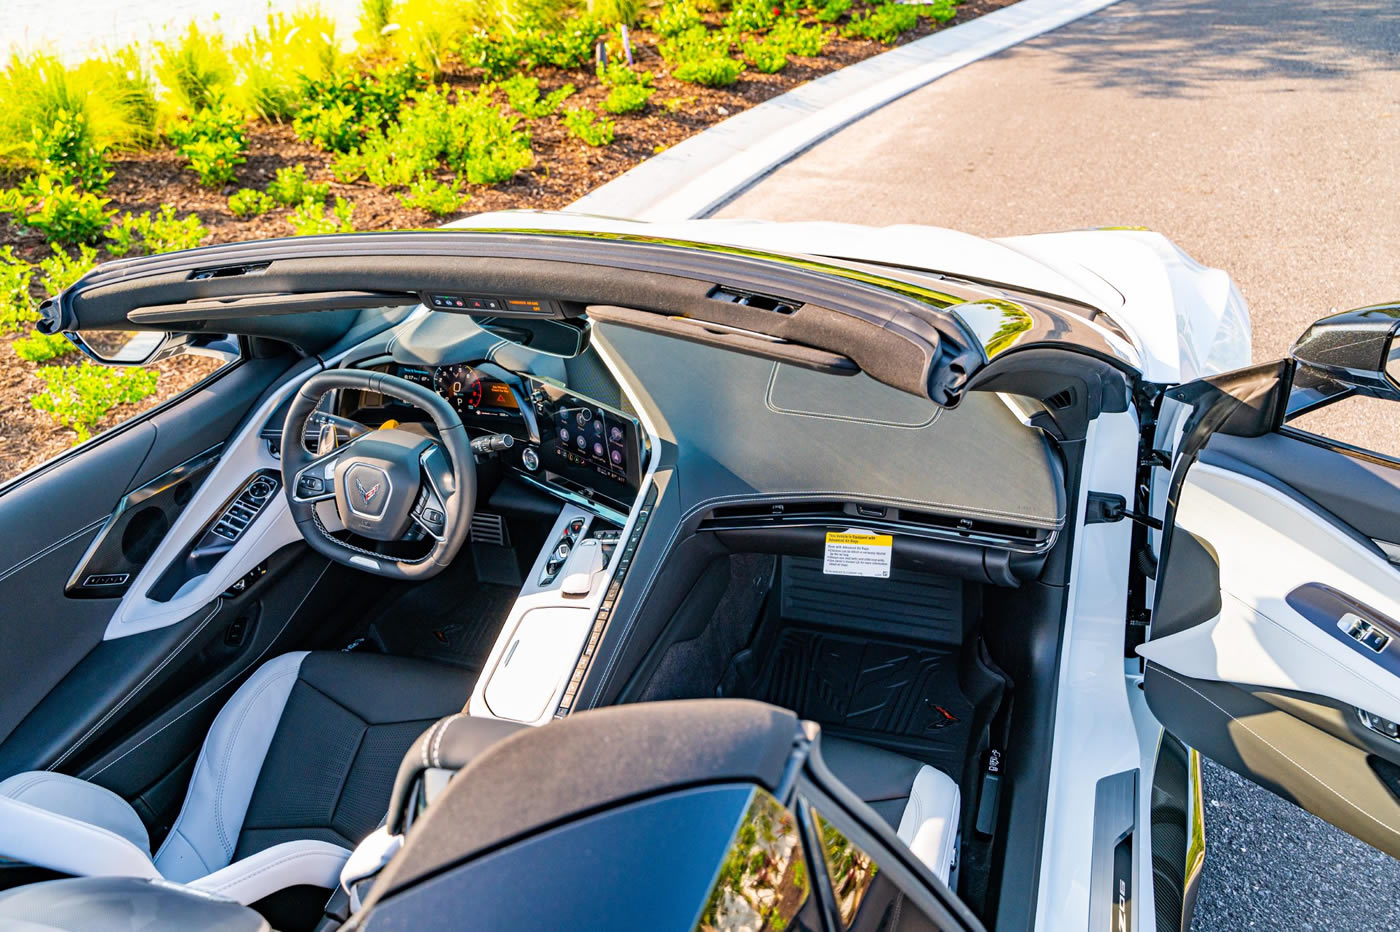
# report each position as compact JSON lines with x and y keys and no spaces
{"x":49,"y":839}
{"x":206,"y":832}
{"x":290,"y":864}
{"x":929,"y":825}
{"x":78,"y":799}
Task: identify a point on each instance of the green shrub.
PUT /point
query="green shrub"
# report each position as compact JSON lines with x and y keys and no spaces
{"x":149,"y":235}
{"x":290,"y":187}
{"x":344,"y":108}
{"x":829,"y":11}
{"x":16,"y":304}
{"x":675,"y":18}
{"x":888,"y":21}
{"x":767,"y":57}
{"x":435,"y":197}
{"x":588,"y":126}
{"x":65,"y":151}
{"x":501,"y":53}
{"x":619,"y":75}
{"x":523,"y":92}
{"x":64,"y":214}
{"x":247,"y":202}
{"x":701,"y":57}
{"x":214,"y":160}
{"x":16,"y":203}
{"x":196,"y":69}
{"x":80,"y":395}
{"x":626,"y":98}
{"x":750,"y":16}
{"x":61,"y":270}
{"x":797,"y":39}
{"x":131,"y":89}
{"x":311,"y":218}
{"x":41,"y":347}
{"x":68,"y":113}
{"x":213,"y":142}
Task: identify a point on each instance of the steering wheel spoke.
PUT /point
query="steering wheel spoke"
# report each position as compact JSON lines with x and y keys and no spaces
{"x":383,"y":482}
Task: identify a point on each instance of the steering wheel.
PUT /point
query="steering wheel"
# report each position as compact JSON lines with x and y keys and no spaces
{"x":383,"y":481}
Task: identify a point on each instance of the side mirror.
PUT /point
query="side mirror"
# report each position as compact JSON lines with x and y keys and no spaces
{"x":1357,"y":349}
{"x":144,"y":347}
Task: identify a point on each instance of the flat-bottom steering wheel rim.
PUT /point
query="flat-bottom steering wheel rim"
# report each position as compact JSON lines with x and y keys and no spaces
{"x":458,"y":503}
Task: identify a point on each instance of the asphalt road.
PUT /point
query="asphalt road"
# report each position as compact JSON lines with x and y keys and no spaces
{"x":1263,"y":136}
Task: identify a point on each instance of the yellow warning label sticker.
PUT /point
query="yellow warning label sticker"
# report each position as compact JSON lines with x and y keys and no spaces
{"x":857,"y":553}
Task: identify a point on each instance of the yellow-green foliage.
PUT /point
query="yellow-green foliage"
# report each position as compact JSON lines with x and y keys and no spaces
{"x":272,"y":59}
{"x":589,"y":126}
{"x":614,"y":12}
{"x":61,"y":270}
{"x":41,"y":347}
{"x":195,"y":69}
{"x":79,"y":396}
{"x":312,"y":218}
{"x":149,"y":235}
{"x":16,"y":304}
{"x":37,"y":90}
{"x":435,"y":197}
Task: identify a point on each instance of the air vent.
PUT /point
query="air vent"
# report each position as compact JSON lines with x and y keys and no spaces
{"x":1061,"y":399}
{"x":488,"y":529}
{"x":778,"y":511}
{"x":229,"y":271}
{"x":762,"y":302}
{"x":968,"y":525}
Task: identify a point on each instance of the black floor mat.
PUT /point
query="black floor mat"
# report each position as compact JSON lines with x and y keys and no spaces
{"x":856,"y":683}
{"x":452,"y":618}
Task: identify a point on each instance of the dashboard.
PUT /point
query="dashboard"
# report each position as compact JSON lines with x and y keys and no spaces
{"x":572,"y":445}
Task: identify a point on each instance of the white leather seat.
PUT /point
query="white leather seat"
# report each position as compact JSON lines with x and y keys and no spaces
{"x":295,"y":770}
{"x":921,"y":803}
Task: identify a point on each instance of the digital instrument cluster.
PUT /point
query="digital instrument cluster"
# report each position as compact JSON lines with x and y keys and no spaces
{"x":469,"y":391}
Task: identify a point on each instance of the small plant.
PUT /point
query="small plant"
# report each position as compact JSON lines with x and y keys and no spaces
{"x":290,"y":187}
{"x":888,"y":21}
{"x":213,"y":141}
{"x":16,"y":305}
{"x":768,"y":57}
{"x":588,"y":126}
{"x":61,"y":270}
{"x":677,"y":17}
{"x":41,"y":347}
{"x":376,"y":23}
{"x":64,"y":151}
{"x":272,"y":59}
{"x":79,"y":396}
{"x":247,"y":202}
{"x":832,"y":10}
{"x":344,"y":108}
{"x":720,"y":71}
{"x":311,"y":218}
{"x":523,"y":92}
{"x":797,"y":39}
{"x":626,"y":98}
{"x":750,"y":16}
{"x":435,"y":197}
{"x":64,"y":214}
{"x":16,"y":203}
{"x":149,"y":235}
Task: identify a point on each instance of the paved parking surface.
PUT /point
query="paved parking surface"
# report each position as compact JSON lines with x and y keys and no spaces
{"x":1263,"y":136}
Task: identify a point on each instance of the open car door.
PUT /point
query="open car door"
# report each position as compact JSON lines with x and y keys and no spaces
{"x":1275,"y":631}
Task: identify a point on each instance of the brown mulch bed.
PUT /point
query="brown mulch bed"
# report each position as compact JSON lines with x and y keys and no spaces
{"x":565,"y":169}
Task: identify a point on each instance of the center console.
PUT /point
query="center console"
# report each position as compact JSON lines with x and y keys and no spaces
{"x":533,"y":663}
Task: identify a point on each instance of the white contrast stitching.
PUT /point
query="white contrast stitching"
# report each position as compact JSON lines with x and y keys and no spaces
{"x":437,"y":741}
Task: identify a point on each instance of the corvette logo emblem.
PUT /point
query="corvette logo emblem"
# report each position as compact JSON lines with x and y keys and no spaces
{"x":367,"y":494}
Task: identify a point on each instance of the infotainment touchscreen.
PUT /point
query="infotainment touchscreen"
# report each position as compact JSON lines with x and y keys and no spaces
{"x":587,"y":443}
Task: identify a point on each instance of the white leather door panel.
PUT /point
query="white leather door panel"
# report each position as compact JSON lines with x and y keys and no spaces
{"x":1268,"y":545}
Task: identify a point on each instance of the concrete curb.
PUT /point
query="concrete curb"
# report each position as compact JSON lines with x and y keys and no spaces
{"x":697,"y":177}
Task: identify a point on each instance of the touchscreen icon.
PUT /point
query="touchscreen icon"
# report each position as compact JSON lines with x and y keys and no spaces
{"x":617,"y":457}
{"x":615,"y":434}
